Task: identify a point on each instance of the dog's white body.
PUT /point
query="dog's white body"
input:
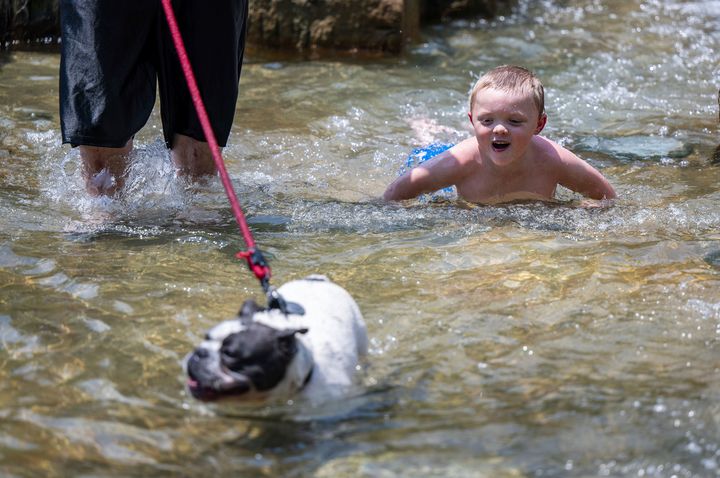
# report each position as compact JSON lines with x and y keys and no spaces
{"x":327,"y":356}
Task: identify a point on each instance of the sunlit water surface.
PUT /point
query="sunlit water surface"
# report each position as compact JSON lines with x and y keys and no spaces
{"x":519,"y":340}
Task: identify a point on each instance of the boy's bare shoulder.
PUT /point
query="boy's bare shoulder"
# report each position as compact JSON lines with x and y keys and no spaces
{"x":465,"y":151}
{"x":454,"y":161}
{"x":547,"y":147}
{"x":573,"y":172}
{"x":551,"y":153}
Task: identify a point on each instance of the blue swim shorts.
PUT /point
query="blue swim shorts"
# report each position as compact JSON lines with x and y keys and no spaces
{"x":418,"y":156}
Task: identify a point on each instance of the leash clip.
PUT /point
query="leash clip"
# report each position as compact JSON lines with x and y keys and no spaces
{"x":276,"y":301}
{"x":258,"y":265}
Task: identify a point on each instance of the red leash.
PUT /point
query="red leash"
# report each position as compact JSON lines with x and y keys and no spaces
{"x":256,"y":261}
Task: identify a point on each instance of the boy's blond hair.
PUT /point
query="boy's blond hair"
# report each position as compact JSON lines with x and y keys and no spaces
{"x":513,"y":79}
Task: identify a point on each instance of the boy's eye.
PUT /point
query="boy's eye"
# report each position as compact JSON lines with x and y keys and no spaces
{"x":486,"y":121}
{"x":516,"y":122}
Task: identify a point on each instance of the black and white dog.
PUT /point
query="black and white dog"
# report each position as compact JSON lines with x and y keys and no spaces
{"x":266,"y":356}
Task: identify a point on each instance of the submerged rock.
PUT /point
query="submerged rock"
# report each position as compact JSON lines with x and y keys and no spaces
{"x":716,"y":156}
{"x":637,"y":147}
{"x":713,"y":258}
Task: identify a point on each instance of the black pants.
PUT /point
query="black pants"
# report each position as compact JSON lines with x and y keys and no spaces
{"x":115,"y":52}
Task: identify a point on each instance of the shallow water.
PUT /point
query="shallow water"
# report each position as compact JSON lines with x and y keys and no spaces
{"x":517,"y":340}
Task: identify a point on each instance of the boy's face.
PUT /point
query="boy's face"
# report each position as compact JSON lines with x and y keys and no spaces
{"x":504,"y":124}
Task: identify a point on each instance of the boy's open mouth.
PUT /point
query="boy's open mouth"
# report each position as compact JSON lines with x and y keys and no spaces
{"x":500,"y":145}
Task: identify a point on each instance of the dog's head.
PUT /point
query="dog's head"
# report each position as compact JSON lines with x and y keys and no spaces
{"x":245,"y":359}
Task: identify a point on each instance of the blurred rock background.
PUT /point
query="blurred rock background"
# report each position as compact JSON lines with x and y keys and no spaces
{"x":305,"y":27}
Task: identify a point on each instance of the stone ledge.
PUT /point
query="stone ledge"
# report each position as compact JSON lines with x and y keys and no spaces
{"x":306,"y":27}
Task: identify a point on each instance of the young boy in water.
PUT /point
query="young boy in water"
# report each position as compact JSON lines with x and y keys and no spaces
{"x":506,"y":160}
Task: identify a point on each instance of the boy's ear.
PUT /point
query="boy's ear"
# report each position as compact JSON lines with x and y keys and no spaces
{"x":470,"y":116}
{"x":541,"y":123}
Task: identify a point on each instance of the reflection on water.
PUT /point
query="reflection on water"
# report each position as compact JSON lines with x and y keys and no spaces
{"x":523,"y":339}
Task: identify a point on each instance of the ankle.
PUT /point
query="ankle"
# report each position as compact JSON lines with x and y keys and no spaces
{"x":192,"y":158}
{"x":104,"y":169}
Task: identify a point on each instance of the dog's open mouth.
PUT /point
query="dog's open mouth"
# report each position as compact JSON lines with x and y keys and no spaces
{"x":210,"y":385}
{"x":500,"y":145}
{"x":216,"y":390}
{"x":201,"y":393}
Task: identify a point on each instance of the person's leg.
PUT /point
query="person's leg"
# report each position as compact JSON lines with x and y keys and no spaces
{"x":104,"y":169}
{"x":192,"y":158}
{"x":214,"y":35}
{"x":107,"y":83}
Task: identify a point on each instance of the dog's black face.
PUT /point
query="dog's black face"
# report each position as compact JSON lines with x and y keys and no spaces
{"x":241,"y":357}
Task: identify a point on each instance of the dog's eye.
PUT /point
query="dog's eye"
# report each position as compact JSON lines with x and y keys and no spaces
{"x":232,"y":361}
{"x":229,"y":353}
{"x":231,"y":356}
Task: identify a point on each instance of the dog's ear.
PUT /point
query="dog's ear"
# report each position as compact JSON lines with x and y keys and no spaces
{"x":287,"y":333}
{"x":248,"y":309}
{"x":286,"y":339}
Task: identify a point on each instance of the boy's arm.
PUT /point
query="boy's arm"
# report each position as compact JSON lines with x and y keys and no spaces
{"x":579,"y":176}
{"x":437,"y":173}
